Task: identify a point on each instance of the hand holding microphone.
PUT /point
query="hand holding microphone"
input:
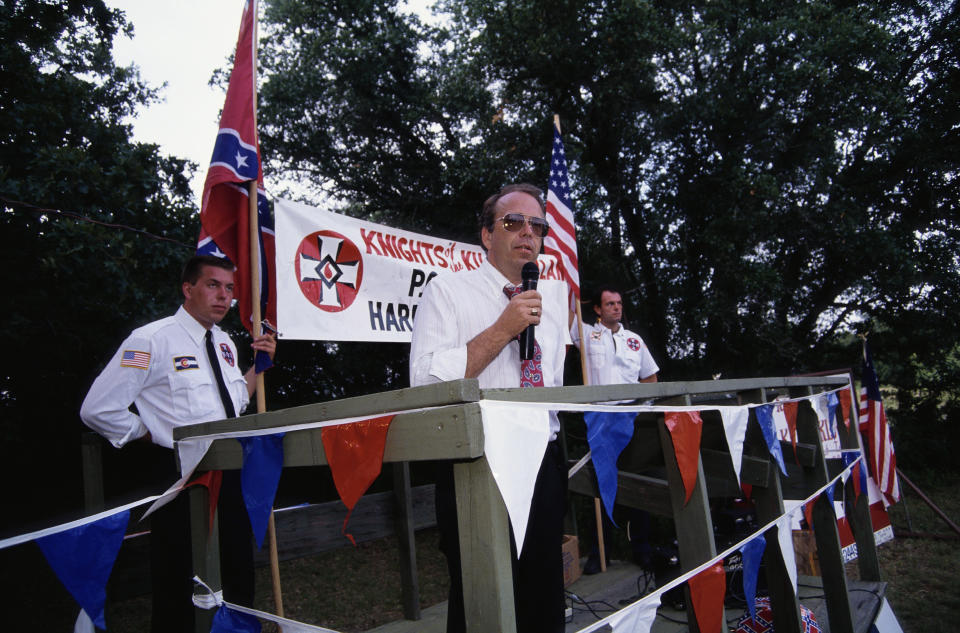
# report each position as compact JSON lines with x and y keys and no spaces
{"x":529,"y":274}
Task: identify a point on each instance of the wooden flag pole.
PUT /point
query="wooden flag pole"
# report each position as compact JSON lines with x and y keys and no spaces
{"x":597,"y":510}
{"x":254,"y":240}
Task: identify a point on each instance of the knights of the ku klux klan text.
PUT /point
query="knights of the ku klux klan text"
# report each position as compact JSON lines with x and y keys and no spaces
{"x":344,"y":279}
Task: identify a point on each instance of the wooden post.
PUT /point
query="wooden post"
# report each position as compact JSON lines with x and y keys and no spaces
{"x":485,"y":560}
{"x":692,"y":519}
{"x":406,"y":537}
{"x":829,"y":550}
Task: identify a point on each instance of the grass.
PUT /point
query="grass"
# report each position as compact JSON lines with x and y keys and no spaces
{"x":922,"y":573}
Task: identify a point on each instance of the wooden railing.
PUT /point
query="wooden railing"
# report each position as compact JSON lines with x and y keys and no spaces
{"x":443,"y":422}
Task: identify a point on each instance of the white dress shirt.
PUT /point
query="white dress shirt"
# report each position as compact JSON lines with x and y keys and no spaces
{"x":163,"y":369}
{"x":456,"y":307}
{"x":615,"y":358}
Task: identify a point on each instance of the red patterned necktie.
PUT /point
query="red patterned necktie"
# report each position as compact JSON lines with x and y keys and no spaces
{"x":531,"y":370}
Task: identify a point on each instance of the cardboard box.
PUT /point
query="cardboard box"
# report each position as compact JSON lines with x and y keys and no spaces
{"x":805,"y":552}
{"x":571,"y":560}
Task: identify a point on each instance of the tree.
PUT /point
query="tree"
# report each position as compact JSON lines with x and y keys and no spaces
{"x":75,"y":280}
{"x":765,"y":178}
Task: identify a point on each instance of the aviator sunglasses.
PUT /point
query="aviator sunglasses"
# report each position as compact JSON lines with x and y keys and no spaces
{"x":513,"y":222}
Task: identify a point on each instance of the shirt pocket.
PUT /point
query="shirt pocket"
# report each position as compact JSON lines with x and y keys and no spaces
{"x":194,"y":395}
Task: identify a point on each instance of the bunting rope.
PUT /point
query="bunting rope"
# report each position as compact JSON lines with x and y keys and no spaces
{"x":214,"y":599}
{"x":719,"y":557}
{"x":63,"y":527}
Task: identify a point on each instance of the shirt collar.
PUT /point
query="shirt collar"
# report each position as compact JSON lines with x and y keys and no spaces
{"x":494,"y":276}
{"x":193,"y":328}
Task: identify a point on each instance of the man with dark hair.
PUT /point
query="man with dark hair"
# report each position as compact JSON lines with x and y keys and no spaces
{"x":615,"y":355}
{"x":177,"y":371}
{"x":466,"y":327}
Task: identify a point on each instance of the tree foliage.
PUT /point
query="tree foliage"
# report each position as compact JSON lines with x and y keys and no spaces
{"x":74,"y":280}
{"x":767,"y":178}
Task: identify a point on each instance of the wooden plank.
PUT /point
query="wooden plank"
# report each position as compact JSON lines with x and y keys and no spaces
{"x":451,"y":432}
{"x":829,"y":550}
{"x":634,"y":491}
{"x":409,"y":584}
{"x":643,"y":391}
{"x":753,"y":470}
{"x":434,"y":395}
{"x":205,"y":542}
{"x":91,"y":460}
{"x":485,"y":558}
{"x":692,"y":519}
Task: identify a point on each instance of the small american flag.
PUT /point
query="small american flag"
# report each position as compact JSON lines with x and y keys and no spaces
{"x":873,"y":425}
{"x":561,"y":241}
{"x":132,"y":358}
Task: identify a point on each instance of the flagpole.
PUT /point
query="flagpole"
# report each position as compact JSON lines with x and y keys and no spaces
{"x":597,"y":511}
{"x":254,"y":241}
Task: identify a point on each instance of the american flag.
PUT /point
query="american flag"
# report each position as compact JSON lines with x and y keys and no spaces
{"x":561,"y":241}
{"x":873,"y":426}
{"x":132,"y":358}
{"x":224,"y":211}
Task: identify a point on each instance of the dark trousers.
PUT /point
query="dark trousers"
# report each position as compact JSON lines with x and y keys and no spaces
{"x":171,"y":562}
{"x":538,"y":573}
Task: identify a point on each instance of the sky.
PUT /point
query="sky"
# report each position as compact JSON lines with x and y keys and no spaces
{"x":181,"y":43}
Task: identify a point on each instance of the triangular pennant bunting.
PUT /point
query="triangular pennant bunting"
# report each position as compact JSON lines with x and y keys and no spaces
{"x":707,"y":591}
{"x":262,"y":465}
{"x":83,"y":557}
{"x":355,"y":455}
{"x":785,"y":540}
{"x":608,"y":434}
{"x":764,"y":415}
{"x":790,"y":413}
{"x":636,"y":618}
{"x":226,"y":620}
{"x":211,"y":480}
{"x":752,"y":553}
{"x":735,"y":429}
{"x":685,"y":429}
{"x":846,"y":400}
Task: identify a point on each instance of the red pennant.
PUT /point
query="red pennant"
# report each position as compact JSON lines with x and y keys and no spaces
{"x":846,"y":398}
{"x":210,"y":480}
{"x":790,"y":413}
{"x":747,"y":490}
{"x":808,"y":512}
{"x":685,"y":429}
{"x":707,"y":591}
{"x":355,"y":454}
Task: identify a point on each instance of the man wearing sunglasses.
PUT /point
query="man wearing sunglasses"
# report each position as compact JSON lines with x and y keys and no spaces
{"x":466,"y":327}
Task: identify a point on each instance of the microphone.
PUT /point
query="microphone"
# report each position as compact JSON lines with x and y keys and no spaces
{"x":530,"y":273}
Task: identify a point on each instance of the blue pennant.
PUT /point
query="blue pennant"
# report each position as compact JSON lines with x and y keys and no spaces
{"x":83,"y":557}
{"x":262,"y":463}
{"x":226,"y":620}
{"x":765,"y":418}
{"x":752,"y":553}
{"x":608,"y":434}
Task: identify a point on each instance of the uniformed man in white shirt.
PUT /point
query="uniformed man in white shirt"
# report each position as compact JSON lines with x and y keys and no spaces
{"x":466,"y":327}
{"x":615,"y":355}
{"x":182,"y":370}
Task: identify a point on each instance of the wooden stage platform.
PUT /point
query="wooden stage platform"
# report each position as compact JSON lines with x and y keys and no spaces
{"x":604,"y":592}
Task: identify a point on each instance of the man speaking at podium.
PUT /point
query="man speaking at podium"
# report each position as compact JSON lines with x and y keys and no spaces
{"x":467,"y":326}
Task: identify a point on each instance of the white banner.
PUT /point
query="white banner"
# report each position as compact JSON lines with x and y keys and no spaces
{"x":344,"y":279}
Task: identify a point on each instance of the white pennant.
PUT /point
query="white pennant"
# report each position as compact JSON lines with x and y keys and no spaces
{"x":514,"y":440}
{"x":735,"y":428}
{"x":635,"y":618}
{"x":83,"y":624}
{"x":785,"y":537}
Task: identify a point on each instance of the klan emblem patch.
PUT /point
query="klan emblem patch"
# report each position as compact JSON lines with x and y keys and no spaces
{"x":227,"y":353}
{"x":329,"y":270}
{"x":185,"y":362}
{"x":633,"y":344}
{"x":595,"y":336}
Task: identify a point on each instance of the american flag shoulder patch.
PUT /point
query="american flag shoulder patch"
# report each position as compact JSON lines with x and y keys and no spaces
{"x":134,"y":358}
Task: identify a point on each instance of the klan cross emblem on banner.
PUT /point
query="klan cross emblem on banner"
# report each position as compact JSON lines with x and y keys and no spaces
{"x":344,"y":279}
